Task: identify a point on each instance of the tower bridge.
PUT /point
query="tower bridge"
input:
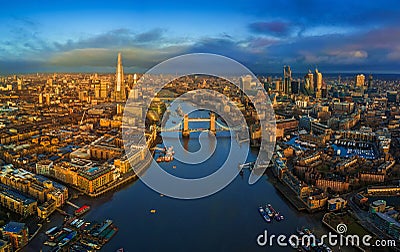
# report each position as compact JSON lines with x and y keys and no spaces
{"x":183,"y":126}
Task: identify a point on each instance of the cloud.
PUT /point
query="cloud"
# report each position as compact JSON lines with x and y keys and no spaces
{"x":150,"y":36}
{"x":277,"y":28}
{"x":118,"y":38}
{"x":133,"y":58}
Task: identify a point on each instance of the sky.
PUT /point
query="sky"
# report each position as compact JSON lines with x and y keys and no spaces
{"x":85,"y":36}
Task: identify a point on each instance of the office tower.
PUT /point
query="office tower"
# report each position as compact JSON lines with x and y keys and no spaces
{"x":279,"y":85}
{"x":324,"y":90}
{"x":135,"y":79}
{"x":47,"y":99}
{"x":317,"y":83}
{"x":370,"y":81}
{"x":40,"y":98}
{"x":19,"y":85}
{"x":309,"y":81}
{"x":245,"y":82}
{"x":287,"y":79}
{"x":97,"y":89}
{"x":119,"y":90}
{"x":134,"y":94}
{"x":103,"y":89}
{"x":359,"y":80}
{"x":295,"y":86}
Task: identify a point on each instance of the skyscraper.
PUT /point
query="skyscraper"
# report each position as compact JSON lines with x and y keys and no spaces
{"x":119,"y":90}
{"x":317,"y":83}
{"x":309,"y":81}
{"x":370,"y":81}
{"x":287,"y":79}
{"x":360,"y":80}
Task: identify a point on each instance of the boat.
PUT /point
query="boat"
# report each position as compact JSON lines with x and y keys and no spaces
{"x":49,"y":243}
{"x":275,"y":214}
{"x":82,"y":210}
{"x":279,"y":217}
{"x":51,"y":230}
{"x":264,"y":214}
{"x":269,"y":212}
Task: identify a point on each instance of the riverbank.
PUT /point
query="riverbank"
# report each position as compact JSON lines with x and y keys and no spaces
{"x":286,"y":192}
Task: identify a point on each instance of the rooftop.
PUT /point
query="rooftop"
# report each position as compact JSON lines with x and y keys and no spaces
{"x":13,"y":227}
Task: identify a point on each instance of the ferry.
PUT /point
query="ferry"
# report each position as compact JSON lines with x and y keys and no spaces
{"x":264,"y":214}
{"x":84,"y":209}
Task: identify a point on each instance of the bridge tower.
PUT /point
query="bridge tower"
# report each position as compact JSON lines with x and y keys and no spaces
{"x":185,"y":129}
{"x":212,"y":123}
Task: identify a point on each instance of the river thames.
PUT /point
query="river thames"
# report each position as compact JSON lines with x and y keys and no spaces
{"x":226,"y":221}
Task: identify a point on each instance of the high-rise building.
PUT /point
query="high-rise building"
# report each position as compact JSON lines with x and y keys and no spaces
{"x":96,"y":89}
{"x":360,"y":80}
{"x":103,"y":89}
{"x":287,"y":79}
{"x":245,"y":82}
{"x":309,"y":81}
{"x":119,"y":90}
{"x":370,"y":81}
{"x":317,"y":83}
{"x":48,"y":99}
{"x":295,"y":86}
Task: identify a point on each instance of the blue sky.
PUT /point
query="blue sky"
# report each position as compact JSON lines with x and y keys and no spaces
{"x":336,"y":36}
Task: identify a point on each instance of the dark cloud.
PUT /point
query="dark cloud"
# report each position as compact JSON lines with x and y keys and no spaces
{"x":150,"y":36}
{"x":118,"y":38}
{"x":277,"y":28}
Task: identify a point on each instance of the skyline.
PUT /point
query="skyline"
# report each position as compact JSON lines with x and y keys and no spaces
{"x":86,"y":37}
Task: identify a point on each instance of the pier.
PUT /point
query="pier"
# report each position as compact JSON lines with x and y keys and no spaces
{"x":72,"y":204}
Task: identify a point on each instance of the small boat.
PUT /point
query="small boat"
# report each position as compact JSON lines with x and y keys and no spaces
{"x":270,"y":214}
{"x":278,"y":217}
{"x":81,"y":211}
{"x":152,"y":211}
{"x":173,"y":122}
{"x":51,"y":230}
{"x":264,"y":214}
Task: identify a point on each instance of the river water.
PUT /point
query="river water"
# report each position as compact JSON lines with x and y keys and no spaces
{"x":226,"y":221}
